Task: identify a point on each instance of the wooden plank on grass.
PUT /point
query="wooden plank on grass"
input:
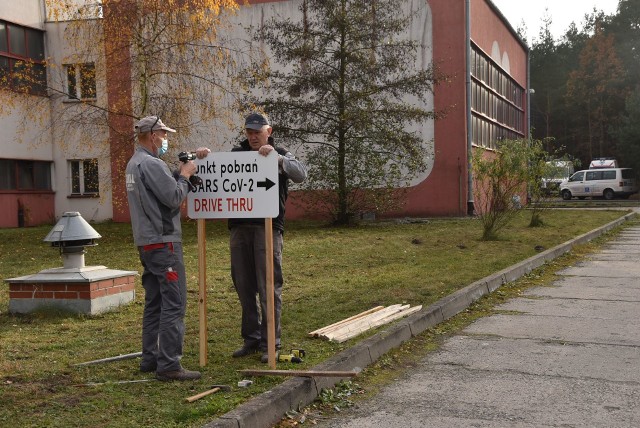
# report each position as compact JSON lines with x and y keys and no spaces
{"x":365,"y":321}
{"x":330,"y":327}
{"x":350,"y":334}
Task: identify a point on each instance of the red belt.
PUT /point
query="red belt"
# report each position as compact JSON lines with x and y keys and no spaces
{"x":157,"y":246}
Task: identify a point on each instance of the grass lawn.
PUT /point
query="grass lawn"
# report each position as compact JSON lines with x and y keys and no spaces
{"x":330,"y":274}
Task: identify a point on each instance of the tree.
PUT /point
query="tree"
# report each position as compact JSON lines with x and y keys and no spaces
{"x":349,"y":94}
{"x":628,"y":133}
{"x":625,"y":26}
{"x":597,"y":85}
{"x":547,"y":79}
{"x":500,"y":179}
{"x":161,"y":57}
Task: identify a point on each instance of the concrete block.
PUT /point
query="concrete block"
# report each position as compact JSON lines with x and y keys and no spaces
{"x":382,"y":342}
{"x":425,"y":319}
{"x":268,"y":408}
{"x":357,"y":356}
{"x":461,"y":299}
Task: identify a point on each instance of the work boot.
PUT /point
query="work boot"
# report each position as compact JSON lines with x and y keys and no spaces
{"x":265,"y":355}
{"x":148,"y":368}
{"x":244,"y":351}
{"x":181,"y":374}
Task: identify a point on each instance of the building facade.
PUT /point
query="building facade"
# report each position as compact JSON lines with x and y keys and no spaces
{"x":46,"y":170}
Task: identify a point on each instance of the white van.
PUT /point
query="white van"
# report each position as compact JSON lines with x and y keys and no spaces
{"x":602,"y":182}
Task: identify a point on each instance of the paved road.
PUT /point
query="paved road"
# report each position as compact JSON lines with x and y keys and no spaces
{"x":567,"y":356}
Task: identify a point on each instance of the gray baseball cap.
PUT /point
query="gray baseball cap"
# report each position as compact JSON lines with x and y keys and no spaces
{"x":256,"y":121}
{"x":151,"y":123}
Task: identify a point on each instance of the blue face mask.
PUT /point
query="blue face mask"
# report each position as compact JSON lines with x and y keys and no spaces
{"x":164,"y":147}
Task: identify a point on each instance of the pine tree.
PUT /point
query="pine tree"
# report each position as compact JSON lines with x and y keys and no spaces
{"x":355,"y":92}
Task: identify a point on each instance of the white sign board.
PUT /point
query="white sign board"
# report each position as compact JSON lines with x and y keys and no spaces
{"x":236,"y":185}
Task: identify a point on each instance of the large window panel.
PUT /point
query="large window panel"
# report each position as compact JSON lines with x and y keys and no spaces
{"x":7,"y":174}
{"x":22,"y":57}
{"x":4,"y":47}
{"x":17,"y":39}
{"x":497,"y":98}
{"x":35,"y":45}
{"x":42,"y":175}
{"x":25,"y":175}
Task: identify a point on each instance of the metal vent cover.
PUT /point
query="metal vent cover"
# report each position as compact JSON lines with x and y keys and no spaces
{"x":72,"y":231}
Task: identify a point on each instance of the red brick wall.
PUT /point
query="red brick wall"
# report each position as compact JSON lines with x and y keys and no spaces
{"x":72,"y":290}
{"x":38,"y":208}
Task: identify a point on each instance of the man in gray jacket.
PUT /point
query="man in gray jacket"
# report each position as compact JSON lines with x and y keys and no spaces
{"x":155,"y":196}
{"x":247,"y":244}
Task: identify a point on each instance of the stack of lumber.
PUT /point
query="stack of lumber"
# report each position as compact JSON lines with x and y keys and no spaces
{"x":348,"y":328}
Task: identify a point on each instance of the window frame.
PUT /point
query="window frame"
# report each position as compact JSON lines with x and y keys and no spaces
{"x":35,"y":172}
{"x":12,"y":57}
{"x":78,"y":179}
{"x":81,"y":76}
{"x":497,"y":102}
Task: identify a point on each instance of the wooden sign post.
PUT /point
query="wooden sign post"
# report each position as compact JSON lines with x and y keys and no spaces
{"x":202,"y":290}
{"x":271,"y":323}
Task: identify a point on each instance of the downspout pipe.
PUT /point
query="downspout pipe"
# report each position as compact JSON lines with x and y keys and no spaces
{"x":528,"y":129}
{"x":529,"y":92}
{"x":470,"y":202}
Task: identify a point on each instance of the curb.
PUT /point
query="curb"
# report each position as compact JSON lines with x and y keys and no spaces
{"x":268,"y":408}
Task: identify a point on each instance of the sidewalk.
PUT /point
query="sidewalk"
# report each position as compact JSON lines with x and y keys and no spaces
{"x":570,"y":355}
{"x":566,"y":355}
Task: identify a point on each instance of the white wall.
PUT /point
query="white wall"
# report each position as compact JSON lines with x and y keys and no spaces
{"x":74,"y":143}
{"x":29,"y":13}
{"x":421,"y":30}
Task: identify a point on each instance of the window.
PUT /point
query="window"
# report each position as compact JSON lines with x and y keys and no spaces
{"x":22,"y":65}
{"x":496,"y":102}
{"x":578,"y":176}
{"x":24,"y":175}
{"x":594,"y":175}
{"x":84,"y":177}
{"x":628,"y":174}
{"x":81,"y":81}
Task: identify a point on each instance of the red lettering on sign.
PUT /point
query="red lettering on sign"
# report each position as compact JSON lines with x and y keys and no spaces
{"x":240,"y":204}
{"x":207,"y":204}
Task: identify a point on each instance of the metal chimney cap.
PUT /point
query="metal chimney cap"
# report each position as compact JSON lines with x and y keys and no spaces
{"x":71,"y":227}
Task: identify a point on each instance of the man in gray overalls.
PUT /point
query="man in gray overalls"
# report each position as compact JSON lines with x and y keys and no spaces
{"x":155,"y":196}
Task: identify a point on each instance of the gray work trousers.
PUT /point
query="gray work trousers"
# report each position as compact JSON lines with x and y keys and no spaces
{"x":248,"y":272}
{"x":165,"y":305}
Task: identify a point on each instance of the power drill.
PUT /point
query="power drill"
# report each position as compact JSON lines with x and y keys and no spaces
{"x":294,"y":357}
{"x":185,"y":157}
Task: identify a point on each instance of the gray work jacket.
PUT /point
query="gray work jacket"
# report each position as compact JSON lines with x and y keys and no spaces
{"x":154,"y":196}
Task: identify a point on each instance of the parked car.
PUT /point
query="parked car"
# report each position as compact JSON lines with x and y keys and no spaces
{"x":602,"y":182}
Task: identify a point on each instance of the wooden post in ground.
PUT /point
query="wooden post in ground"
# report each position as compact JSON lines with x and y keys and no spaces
{"x":271,"y":325}
{"x":202,"y":290}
